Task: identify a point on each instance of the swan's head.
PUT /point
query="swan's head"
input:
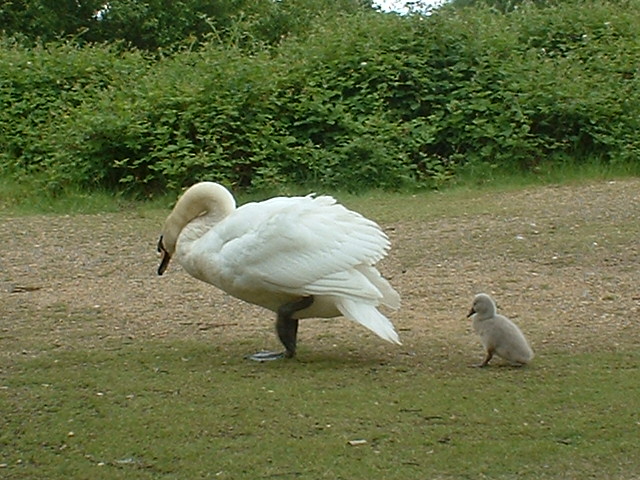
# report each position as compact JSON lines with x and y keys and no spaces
{"x":167,"y":242}
{"x":202,"y":199}
{"x":483,"y":305}
{"x":165,"y":255}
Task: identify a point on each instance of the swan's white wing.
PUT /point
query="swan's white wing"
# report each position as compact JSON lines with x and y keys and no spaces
{"x":299,"y":243}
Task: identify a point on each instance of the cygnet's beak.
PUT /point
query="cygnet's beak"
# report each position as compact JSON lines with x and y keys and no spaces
{"x":165,"y":257}
{"x":471,"y":312}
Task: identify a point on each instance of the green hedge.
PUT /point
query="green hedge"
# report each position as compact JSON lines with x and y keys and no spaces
{"x":362,"y":101}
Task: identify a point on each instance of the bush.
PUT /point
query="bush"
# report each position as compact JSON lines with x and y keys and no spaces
{"x":42,"y":88}
{"x":361,"y":101}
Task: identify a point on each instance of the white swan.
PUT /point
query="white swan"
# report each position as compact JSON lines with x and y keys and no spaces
{"x":298,"y":256}
{"x":497,"y":333}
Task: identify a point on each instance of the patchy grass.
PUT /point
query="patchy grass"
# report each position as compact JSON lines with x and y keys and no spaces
{"x":108,"y":371}
{"x":188,"y":410}
{"x":35,"y":196}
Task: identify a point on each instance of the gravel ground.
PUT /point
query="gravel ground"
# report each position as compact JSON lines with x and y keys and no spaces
{"x":561,"y":261}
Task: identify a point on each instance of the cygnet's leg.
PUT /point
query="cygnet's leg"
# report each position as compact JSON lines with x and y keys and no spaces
{"x":486,"y":360}
{"x":287,"y":329}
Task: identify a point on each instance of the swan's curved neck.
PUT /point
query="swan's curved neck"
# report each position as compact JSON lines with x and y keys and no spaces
{"x":207,"y":201}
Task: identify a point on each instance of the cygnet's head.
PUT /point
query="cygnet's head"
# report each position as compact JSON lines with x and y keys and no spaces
{"x":483,"y":305}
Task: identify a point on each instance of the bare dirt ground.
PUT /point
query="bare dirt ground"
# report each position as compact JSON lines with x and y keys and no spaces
{"x":563,"y":262}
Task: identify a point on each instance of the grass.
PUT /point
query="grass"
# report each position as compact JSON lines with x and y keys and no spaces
{"x":32,"y":199}
{"x":28,"y":198}
{"x":188,"y":410}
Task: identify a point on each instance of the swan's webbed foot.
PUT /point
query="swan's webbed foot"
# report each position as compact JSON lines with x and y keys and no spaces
{"x":287,"y":330}
{"x":266,"y":356}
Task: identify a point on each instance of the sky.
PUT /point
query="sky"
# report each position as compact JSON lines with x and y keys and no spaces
{"x":400,"y":5}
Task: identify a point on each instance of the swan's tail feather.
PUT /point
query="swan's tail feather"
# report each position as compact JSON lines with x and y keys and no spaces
{"x":390,"y":298}
{"x":369,"y":316}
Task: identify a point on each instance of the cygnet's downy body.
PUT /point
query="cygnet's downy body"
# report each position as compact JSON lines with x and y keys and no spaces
{"x":498,"y":334}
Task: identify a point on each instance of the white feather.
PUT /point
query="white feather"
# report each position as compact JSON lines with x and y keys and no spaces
{"x":272,"y":252}
{"x":370,"y":317}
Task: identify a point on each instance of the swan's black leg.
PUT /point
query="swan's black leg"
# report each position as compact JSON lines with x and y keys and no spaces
{"x":287,"y":327}
{"x":287,"y":330}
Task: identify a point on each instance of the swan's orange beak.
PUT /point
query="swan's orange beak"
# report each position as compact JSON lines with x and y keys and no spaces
{"x":165,"y":257}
